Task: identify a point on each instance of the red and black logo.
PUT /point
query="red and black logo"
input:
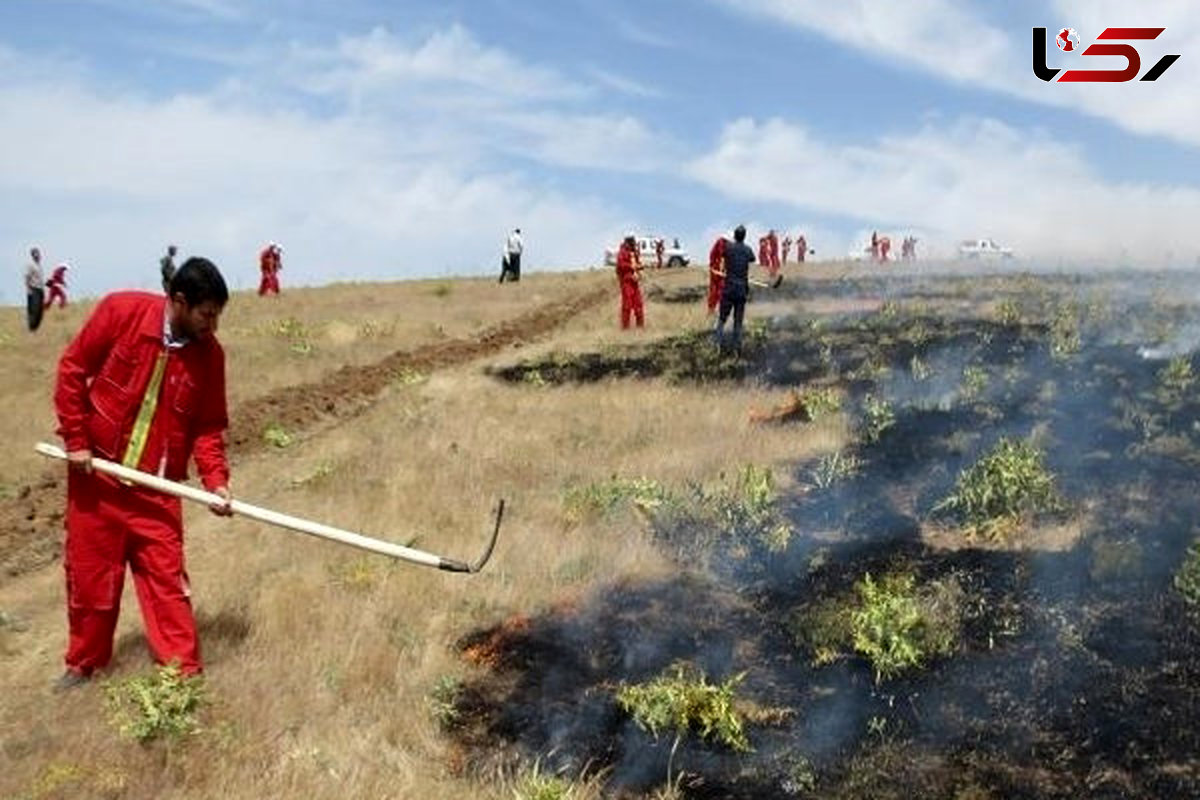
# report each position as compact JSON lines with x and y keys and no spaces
{"x":1068,"y":42}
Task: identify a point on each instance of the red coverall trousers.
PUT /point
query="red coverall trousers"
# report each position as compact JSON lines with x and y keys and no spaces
{"x":631,"y":302}
{"x":56,"y":293}
{"x":716,"y":283}
{"x":269,"y":283}
{"x":109,"y":526}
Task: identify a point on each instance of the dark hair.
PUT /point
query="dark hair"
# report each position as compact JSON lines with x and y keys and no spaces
{"x":739,"y":233}
{"x":199,"y":281}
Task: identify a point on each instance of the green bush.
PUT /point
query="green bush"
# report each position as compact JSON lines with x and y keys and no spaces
{"x":161,"y":705}
{"x":879,"y":417}
{"x":603,"y":498}
{"x":1007,"y":483}
{"x":681,"y":700}
{"x":1187,"y":579}
{"x":443,"y":701}
{"x":276,"y":436}
{"x":899,"y":627}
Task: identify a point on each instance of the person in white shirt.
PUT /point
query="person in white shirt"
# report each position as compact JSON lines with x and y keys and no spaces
{"x":35,"y":291}
{"x":510,"y":266}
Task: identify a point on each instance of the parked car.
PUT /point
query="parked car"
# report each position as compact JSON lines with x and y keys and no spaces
{"x":674,"y":255}
{"x":983,"y":248}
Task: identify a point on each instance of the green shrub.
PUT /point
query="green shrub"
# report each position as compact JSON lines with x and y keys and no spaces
{"x":276,"y":436}
{"x":1187,"y":579}
{"x":818,"y":403}
{"x":1008,"y":312}
{"x":1007,"y":483}
{"x":1064,"y":332}
{"x":443,"y":701}
{"x":681,"y":700}
{"x":603,"y":498}
{"x":899,"y":627}
{"x":879,"y":417}
{"x":834,"y":468}
{"x":1174,"y":381}
{"x":160,"y":705}
{"x":974,"y":382}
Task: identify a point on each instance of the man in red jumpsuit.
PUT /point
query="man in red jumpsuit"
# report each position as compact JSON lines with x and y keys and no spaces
{"x":629,"y":268}
{"x":269,"y":263}
{"x":885,"y":246}
{"x":716,"y":273}
{"x":764,"y":251}
{"x":143,"y":383}
{"x":801,"y":248}
{"x":57,"y":286}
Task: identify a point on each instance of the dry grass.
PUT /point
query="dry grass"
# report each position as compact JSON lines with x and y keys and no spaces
{"x":320,"y":660}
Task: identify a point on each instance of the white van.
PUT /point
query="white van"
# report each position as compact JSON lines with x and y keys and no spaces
{"x":673,"y":256}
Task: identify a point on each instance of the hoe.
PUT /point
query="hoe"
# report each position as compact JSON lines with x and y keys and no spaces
{"x":289,"y":522}
{"x":774,"y":284}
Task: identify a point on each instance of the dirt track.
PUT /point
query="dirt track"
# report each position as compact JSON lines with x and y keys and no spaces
{"x":31,"y":524}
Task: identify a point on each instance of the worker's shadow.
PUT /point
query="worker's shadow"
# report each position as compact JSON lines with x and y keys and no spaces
{"x":220,"y":633}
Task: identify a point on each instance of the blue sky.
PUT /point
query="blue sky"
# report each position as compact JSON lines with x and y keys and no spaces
{"x":403,"y":139}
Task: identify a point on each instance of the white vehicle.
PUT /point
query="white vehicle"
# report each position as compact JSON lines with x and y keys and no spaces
{"x":673,"y":254}
{"x":983,"y":248}
{"x":861,"y":252}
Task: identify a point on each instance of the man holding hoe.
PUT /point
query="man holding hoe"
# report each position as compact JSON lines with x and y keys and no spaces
{"x":143,"y":383}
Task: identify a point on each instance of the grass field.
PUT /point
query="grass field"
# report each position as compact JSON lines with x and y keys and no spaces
{"x":901,"y":603}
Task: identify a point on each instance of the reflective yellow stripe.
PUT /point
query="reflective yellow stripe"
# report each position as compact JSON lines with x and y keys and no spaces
{"x":141,"y":427}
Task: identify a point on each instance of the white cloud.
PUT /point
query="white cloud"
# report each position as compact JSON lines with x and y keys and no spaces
{"x":378,"y":63}
{"x":623,"y":84}
{"x":974,"y":177}
{"x":620,"y":143}
{"x":955,"y":42}
{"x":107,"y":180}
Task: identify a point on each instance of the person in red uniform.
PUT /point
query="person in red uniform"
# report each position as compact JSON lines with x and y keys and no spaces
{"x":772,"y":253}
{"x":143,"y":383}
{"x":270,"y":261}
{"x":885,"y":246}
{"x":629,"y":267}
{"x":57,"y":286}
{"x":801,"y":248}
{"x":764,"y":251}
{"x":716,"y":273}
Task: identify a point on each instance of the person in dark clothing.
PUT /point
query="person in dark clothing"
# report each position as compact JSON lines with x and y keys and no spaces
{"x":738,"y":258}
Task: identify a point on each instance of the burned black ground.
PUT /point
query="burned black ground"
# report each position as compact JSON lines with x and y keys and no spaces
{"x":1078,"y":672}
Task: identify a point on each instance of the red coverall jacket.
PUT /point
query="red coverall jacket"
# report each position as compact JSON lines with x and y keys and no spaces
{"x":103,"y":375}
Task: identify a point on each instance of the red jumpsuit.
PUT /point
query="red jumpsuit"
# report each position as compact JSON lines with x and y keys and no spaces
{"x":269,"y":264}
{"x":764,"y":251}
{"x":773,"y":254}
{"x":716,"y":278}
{"x":57,"y":286}
{"x":885,"y":246}
{"x":801,"y":248}
{"x":102,"y":377}
{"x":628,"y":263}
